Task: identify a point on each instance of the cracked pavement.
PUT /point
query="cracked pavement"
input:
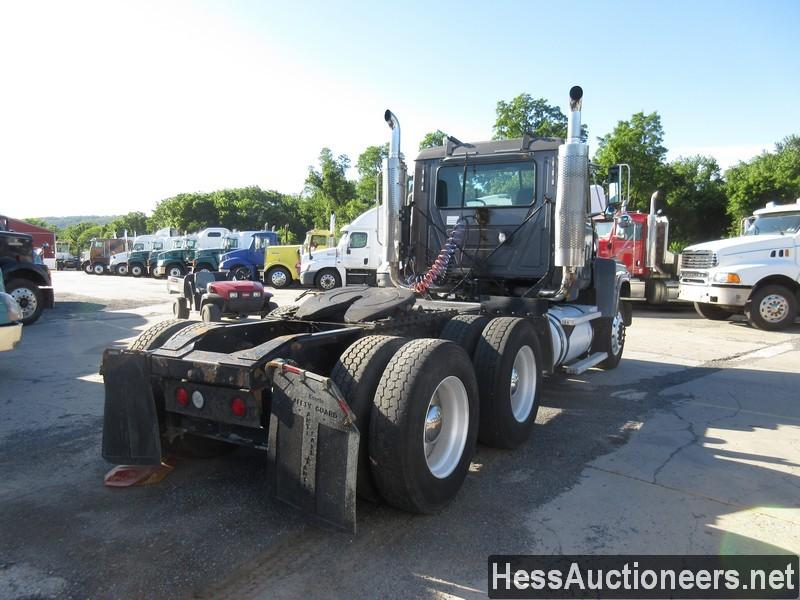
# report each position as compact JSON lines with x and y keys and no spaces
{"x":691,"y":446}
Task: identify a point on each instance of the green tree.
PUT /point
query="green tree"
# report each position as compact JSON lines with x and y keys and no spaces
{"x":327,"y":189}
{"x":637,"y":142}
{"x":525,"y":114}
{"x":768,"y":176}
{"x":432,"y":139}
{"x":40,"y":223}
{"x":695,"y":200}
{"x":369,"y":165}
{"x":135,"y":223}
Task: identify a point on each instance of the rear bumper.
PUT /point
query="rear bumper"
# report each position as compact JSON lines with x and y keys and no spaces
{"x":724,"y":295}
{"x":10,"y":335}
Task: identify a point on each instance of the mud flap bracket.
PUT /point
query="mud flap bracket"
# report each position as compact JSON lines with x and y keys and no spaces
{"x":313,"y":445}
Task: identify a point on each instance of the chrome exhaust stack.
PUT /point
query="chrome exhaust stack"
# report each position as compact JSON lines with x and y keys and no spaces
{"x":394,"y":184}
{"x":571,"y":201}
{"x":652,"y":230}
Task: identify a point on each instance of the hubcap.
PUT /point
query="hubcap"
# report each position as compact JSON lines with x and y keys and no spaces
{"x":773,"y":308}
{"x":523,"y":383}
{"x":327,"y":281}
{"x":617,"y":334}
{"x":446,"y":427}
{"x":278,"y":278}
{"x":26,"y":300}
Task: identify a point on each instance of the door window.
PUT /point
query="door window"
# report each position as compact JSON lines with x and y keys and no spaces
{"x":358,"y":239}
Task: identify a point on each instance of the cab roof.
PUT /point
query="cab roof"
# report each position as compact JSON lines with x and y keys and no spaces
{"x":493,"y":147}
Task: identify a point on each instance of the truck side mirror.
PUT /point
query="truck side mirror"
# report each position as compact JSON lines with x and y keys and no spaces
{"x":624,"y":221}
{"x":597,"y":200}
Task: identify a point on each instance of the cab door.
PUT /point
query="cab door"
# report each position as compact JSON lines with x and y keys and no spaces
{"x":357,"y":251}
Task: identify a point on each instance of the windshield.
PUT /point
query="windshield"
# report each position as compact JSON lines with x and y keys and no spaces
{"x":494,"y":185}
{"x":138,"y":247}
{"x":261,"y":242}
{"x":157,"y":245}
{"x":176,"y":244}
{"x":788,"y":222}
{"x":97,"y":243}
{"x":190,"y":244}
{"x":230,"y":243}
{"x":603,"y":228}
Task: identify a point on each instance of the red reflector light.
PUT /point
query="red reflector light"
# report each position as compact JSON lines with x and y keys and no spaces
{"x":238,"y":407}
{"x":182,"y":396}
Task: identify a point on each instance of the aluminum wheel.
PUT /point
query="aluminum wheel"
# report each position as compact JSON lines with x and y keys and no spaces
{"x":122,"y":269}
{"x":137,"y":271}
{"x":446,"y":427}
{"x":773,"y":308}
{"x":26,"y":300}
{"x":617,"y":334}
{"x":523,"y":383}
{"x":278,"y":278}
{"x":175,"y":272}
{"x":98,"y":269}
{"x":327,"y":281}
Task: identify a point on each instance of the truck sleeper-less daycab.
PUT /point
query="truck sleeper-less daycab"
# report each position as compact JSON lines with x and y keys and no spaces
{"x":355,"y":259}
{"x":373,"y":391}
{"x":757,"y":273}
{"x":245,"y":262}
{"x":176,"y":262}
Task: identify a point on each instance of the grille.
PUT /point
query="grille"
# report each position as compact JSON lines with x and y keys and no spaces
{"x":698,"y":259}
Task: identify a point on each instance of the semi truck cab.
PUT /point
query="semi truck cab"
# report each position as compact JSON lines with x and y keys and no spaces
{"x":756,"y":273}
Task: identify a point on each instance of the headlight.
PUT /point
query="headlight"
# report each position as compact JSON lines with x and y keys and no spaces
{"x":726,"y":278}
{"x":13,"y":309}
{"x":233,"y":295}
{"x":256,"y":294}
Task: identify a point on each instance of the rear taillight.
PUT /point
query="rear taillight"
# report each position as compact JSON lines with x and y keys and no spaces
{"x":238,"y":407}
{"x":182,"y":396}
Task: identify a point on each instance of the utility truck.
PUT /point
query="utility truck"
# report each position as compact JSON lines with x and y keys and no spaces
{"x":756,"y":273}
{"x":640,"y":241}
{"x":354,"y":260}
{"x":373,"y":391}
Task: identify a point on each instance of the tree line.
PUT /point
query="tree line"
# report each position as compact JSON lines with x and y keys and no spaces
{"x":701,"y":202}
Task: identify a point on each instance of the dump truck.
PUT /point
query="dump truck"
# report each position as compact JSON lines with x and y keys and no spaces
{"x":488,"y":267}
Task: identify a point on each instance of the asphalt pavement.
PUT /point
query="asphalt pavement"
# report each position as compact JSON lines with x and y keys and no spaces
{"x":691,"y":446}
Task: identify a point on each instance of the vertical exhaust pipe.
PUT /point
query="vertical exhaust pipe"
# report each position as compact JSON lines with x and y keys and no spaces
{"x":394,"y":183}
{"x":571,"y":195}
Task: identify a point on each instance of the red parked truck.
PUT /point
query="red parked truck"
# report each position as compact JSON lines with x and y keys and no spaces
{"x":640,"y":241}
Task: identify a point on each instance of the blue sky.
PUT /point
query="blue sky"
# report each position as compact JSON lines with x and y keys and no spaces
{"x":112,"y":106}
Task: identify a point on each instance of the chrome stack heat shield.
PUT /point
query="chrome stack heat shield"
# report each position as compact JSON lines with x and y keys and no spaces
{"x":571,"y":195}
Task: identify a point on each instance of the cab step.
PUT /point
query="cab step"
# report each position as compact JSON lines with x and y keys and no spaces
{"x":585,"y":364}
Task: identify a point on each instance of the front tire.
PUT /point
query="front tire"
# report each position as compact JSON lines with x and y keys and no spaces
{"x":98,"y":269}
{"x":210,"y":313}
{"x":121,"y":270}
{"x":175,"y":271}
{"x":137,"y":270}
{"x":328,"y":279}
{"x":508,"y":359}
{"x":423,"y":425}
{"x":241,"y":274}
{"x":711,"y":312}
{"x":614,"y":340}
{"x":279,"y":277}
{"x":87,"y":268}
{"x":771,"y":308}
{"x":180,"y":308}
{"x":29,"y":298}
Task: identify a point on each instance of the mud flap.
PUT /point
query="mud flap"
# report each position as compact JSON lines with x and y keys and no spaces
{"x":130,"y":423}
{"x":313,"y":446}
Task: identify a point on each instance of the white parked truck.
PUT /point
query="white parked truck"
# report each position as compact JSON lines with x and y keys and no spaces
{"x":355,"y":258}
{"x":119,"y":262}
{"x":757,"y":273}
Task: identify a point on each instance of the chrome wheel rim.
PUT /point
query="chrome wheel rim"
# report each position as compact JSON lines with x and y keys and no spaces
{"x":98,"y":269}
{"x":26,"y":300}
{"x":523,"y":384}
{"x":617,"y":335}
{"x":444,"y":433}
{"x":773,"y":308}
{"x":327,"y":281}
{"x":174,"y":272}
{"x":278,"y":278}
